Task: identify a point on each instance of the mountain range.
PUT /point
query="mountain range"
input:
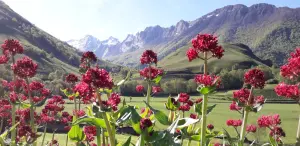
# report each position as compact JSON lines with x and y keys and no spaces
{"x":270,"y":32}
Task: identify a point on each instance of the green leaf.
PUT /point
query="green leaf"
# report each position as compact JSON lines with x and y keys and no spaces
{"x":89,"y":111}
{"x":170,"y":106}
{"x":159,"y":115}
{"x":127,"y":143}
{"x":184,"y":122}
{"x":75,"y":133}
{"x":198,"y":108}
{"x":157,"y":79}
{"x":210,"y":108}
{"x":41,"y":103}
{"x":196,"y":137}
{"x":207,"y":90}
{"x":91,"y":120}
{"x":228,"y":137}
{"x":23,"y":104}
{"x":272,"y":141}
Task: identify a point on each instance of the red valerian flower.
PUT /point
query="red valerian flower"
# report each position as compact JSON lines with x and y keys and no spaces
{"x":255,"y":78}
{"x":14,"y":85}
{"x":4,"y":108}
{"x":148,"y":57}
{"x":24,"y":68}
{"x":79,"y":113}
{"x":277,"y":132}
{"x":193,"y":116}
{"x":90,"y":56}
{"x":139,"y":88}
{"x":207,"y":43}
{"x":156,"y":89}
{"x":218,"y":144}
{"x":234,"y":123}
{"x":184,"y":107}
{"x":242,"y":95}
{"x":85,"y":91}
{"x":145,"y":123}
{"x":36,"y":86}
{"x":90,"y":132}
{"x":210,"y":126}
{"x":13,"y":97}
{"x":259,"y":99}
{"x":3,"y":59}
{"x":71,"y":78}
{"x":199,"y":100}
{"x":12,"y":47}
{"x":100,"y":78}
{"x":269,"y":121}
{"x":292,"y":68}
{"x":234,"y":107}
{"x":114,"y":101}
{"x":288,"y":91}
{"x":192,"y":54}
{"x":190,"y":103}
{"x":183,"y":97}
{"x":207,"y":80}
{"x":251,"y":128}
{"x":154,"y":72}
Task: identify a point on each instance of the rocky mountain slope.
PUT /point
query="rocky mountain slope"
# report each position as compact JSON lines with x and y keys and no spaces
{"x":271,"y":32}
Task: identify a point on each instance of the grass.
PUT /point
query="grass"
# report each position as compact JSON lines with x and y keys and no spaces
{"x":288,"y":113}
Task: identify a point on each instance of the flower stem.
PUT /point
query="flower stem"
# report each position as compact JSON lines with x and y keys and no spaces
{"x":98,"y":136}
{"x":44,"y":135}
{"x":103,"y":137}
{"x":298,"y":134}
{"x":149,"y":86}
{"x":31,"y":110}
{"x":203,"y":124}
{"x":13,"y":134}
{"x":189,"y":143}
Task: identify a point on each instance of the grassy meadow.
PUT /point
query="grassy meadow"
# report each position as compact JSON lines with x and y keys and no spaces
{"x":288,"y":113}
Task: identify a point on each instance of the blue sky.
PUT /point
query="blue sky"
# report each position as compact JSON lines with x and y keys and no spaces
{"x":72,"y":19}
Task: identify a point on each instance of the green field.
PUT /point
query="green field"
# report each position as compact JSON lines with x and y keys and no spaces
{"x":288,"y":113}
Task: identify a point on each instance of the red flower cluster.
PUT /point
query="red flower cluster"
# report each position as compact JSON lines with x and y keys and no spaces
{"x":207,"y":80}
{"x":37,"y":87}
{"x":25,"y":131}
{"x":145,"y":123}
{"x":85,"y":91}
{"x":193,"y":116}
{"x":114,"y":101}
{"x":25,"y":68}
{"x":3,"y":59}
{"x":90,"y":132}
{"x":11,"y":47}
{"x":66,"y":118}
{"x":242,"y":96}
{"x":199,"y":100}
{"x":79,"y":113}
{"x":183,"y":97}
{"x":210,"y":126}
{"x":148,"y":57}
{"x":251,"y":128}
{"x":292,"y":68}
{"x":139,"y":88}
{"x":289,"y":91}
{"x":5,"y":108}
{"x":88,"y":56}
{"x":205,"y":43}
{"x":234,"y":106}
{"x":99,"y":78}
{"x":255,"y":78}
{"x":273,"y":123}
{"x":234,"y":123}
{"x":71,"y":78}
{"x":14,"y":85}
{"x":156,"y":89}
{"x":154,"y":72}
{"x":184,"y":107}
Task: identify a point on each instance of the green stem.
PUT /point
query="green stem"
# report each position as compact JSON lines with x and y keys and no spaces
{"x":13,"y":134}
{"x":1,"y":125}
{"x":107,"y":140}
{"x":67,"y":140}
{"x":142,"y":137}
{"x":203,"y":124}
{"x":189,"y":143}
{"x":53,"y":135}
{"x":298,"y":133}
{"x":98,"y":136}
{"x":31,"y":111}
{"x":103,"y":137}
{"x":149,"y":86}
{"x":44,"y":135}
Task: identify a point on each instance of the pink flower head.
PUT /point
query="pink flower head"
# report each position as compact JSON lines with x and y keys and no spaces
{"x":255,"y":78}
{"x":114,"y":101}
{"x":207,"y":43}
{"x":199,"y":100}
{"x":234,"y":107}
{"x":269,"y":121}
{"x":145,"y":123}
{"x":99,"y":78}
{"x":154,"y":72}
{"x":251,"y":128}
{"x":139,"y":88}
{"x":156,"y":89}
{"x":207,"y":80}
{"x":288,"y":91}
{"x":183,"y":97}
{"x":12,"y":47}
{"x":148,"y":57}
{"x":85,"y":91}
{"x":90,"y":132}
{"x":193,"y":116}
{"x":192,"y":54}
{"x":242,"y":95}
{"x":234,"y":123}
{"x":184,"y":107}
{"x":71,"y":78}
{"x":90,"y":56}
{"x":292,"y":68}
{"x":24,"y":68}
{"x":3,"y":59}
{"x":210,"y":126}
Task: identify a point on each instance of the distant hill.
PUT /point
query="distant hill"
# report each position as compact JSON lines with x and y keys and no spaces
{"x":50,"y":53}
{"x":236,"y":56}
{"x":271,"y":33}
